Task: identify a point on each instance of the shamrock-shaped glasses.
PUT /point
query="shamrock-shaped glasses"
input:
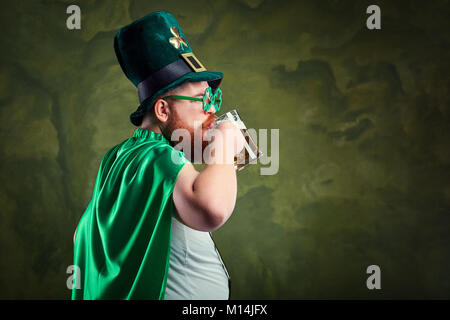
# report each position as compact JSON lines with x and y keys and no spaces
{"x":208,"y":100}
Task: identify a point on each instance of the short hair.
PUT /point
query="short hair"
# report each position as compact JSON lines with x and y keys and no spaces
{"x":151,"y":111}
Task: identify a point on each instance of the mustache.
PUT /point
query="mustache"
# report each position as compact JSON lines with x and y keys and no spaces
{"x":208,"y":121}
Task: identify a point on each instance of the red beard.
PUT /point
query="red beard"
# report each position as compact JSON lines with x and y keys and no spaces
{"x":175,"y":122}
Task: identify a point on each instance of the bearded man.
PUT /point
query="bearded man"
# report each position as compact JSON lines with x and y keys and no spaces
{"x":146,"y":233}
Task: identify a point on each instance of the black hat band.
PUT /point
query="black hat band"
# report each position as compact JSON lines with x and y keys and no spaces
{"x":161,"y":78}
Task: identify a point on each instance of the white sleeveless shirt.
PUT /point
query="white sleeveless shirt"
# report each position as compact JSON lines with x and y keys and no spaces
{"x":196,"y":270}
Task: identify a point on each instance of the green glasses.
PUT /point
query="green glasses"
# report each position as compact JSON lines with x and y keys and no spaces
{"x":208,"y":100}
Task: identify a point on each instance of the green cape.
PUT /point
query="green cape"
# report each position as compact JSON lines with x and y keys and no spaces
{"x":122,"y":244}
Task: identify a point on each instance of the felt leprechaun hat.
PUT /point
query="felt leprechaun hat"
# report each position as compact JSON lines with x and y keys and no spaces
{"x":155,"y":55}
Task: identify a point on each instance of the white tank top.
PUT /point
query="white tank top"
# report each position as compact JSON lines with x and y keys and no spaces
{"x":196,"y":270}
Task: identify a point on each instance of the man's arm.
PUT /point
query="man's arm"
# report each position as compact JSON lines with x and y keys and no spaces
{"x":205,"y":200}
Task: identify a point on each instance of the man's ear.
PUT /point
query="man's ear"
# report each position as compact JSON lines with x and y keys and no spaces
{"x":162,"y":111}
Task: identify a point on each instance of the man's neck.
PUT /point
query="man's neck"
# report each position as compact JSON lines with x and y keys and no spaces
{"x":151,"y":127}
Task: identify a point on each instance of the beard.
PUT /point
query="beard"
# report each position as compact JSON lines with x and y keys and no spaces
{"x":191,"y":148}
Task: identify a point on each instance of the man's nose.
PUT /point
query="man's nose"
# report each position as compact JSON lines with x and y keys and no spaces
{"x":212,"y":109}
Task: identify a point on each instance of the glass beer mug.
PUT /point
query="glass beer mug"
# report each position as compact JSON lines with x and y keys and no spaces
{"x":250,"y":153}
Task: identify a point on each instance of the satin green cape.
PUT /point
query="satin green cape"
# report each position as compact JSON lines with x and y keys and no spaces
{"x":122,"y":245}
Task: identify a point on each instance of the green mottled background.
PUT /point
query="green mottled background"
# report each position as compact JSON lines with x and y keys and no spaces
{"x":364,"y":140}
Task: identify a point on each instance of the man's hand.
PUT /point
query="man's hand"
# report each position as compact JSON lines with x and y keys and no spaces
{"x":227,"y":141}
{"x":232,"y":132}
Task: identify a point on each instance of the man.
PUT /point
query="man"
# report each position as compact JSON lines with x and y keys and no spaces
{"x":146,"y":231}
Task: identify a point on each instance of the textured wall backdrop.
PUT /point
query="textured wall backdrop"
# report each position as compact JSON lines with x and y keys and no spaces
{"x":364,"y":139}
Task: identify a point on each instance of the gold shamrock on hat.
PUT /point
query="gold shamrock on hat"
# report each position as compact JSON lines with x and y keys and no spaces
{"x":178,"y":40}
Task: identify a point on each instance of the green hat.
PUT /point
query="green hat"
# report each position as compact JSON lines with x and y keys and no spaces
{"x":155,"y":55}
